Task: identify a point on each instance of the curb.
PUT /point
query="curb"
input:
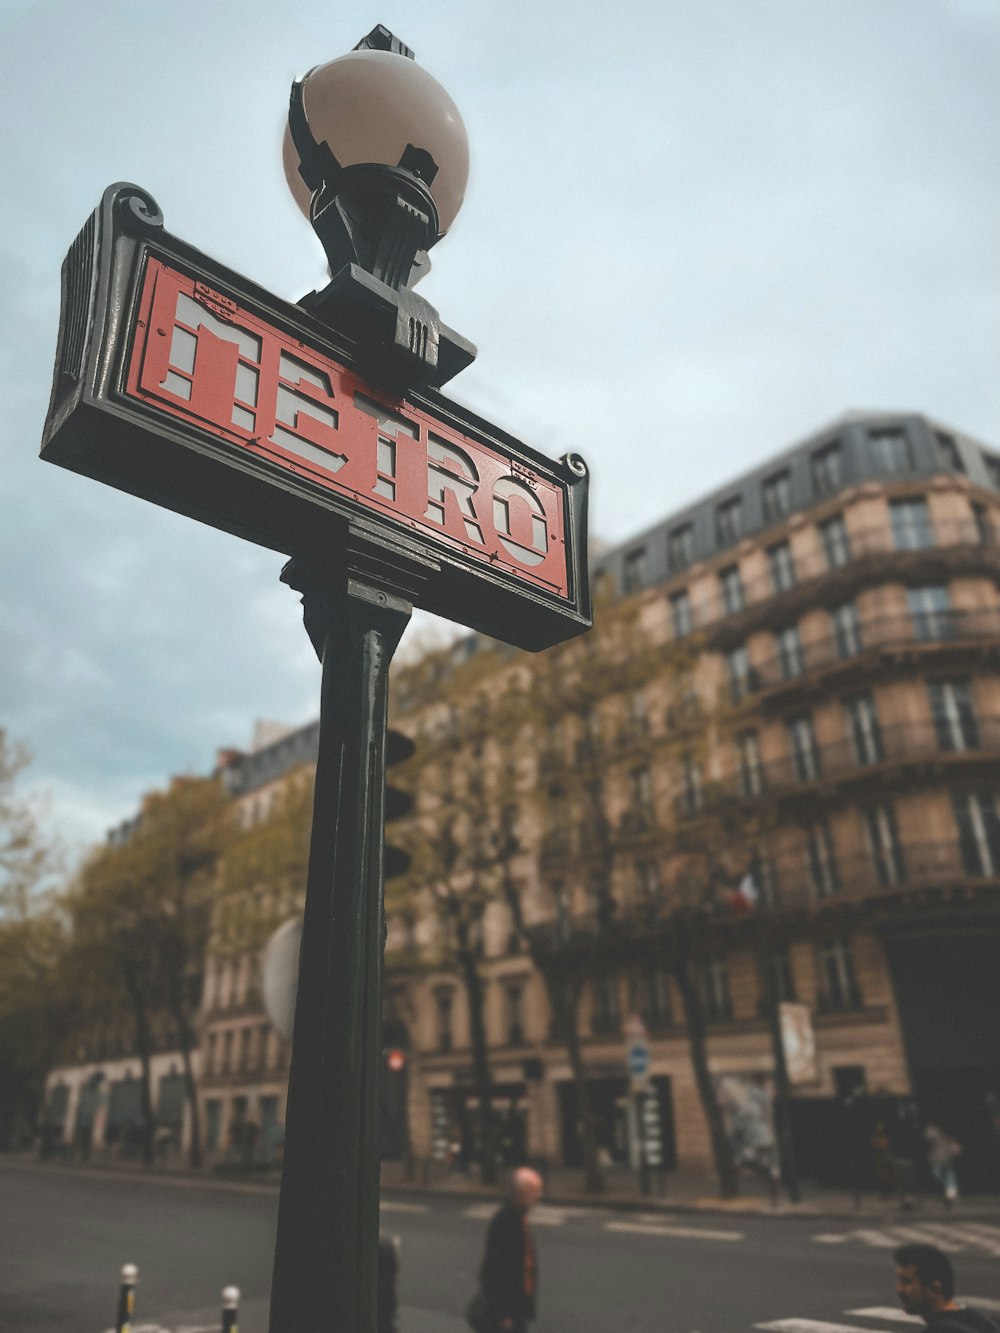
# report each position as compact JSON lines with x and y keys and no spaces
{"x":749,"y":1206}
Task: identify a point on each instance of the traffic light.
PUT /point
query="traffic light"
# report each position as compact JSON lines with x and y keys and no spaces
{"x":398,"y":748}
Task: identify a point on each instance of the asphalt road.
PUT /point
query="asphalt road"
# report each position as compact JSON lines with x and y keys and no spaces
{"x":64,"y":1235}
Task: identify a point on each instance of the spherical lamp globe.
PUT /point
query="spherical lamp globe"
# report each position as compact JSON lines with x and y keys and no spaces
{"x":368,"y":106}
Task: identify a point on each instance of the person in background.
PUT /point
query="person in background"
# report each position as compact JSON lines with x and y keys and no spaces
{"x":925,"y":1285}
{"x":941,"y":1154}
{"x":508,"y":1276}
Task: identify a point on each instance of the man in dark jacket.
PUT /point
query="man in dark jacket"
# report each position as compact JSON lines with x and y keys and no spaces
{"x":508,"y":1276}
{"x":925,"y":1285}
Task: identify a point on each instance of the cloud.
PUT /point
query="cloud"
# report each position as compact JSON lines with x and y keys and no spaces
{"x":690,"y":237}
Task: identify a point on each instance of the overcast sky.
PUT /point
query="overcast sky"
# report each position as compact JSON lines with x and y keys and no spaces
{"x":696,"y":231}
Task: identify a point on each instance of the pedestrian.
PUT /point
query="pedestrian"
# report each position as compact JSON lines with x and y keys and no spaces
{"x":508,"y":1275}
{"x":925,"y":1285}
{"x":941,"y":1153}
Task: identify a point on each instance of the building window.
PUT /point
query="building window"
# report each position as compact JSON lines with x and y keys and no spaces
{"x":777,"y":981}
{"x":732,"y":590}
{"x":227,"y":1052}
{"x":992,"y":466}
{"x":263,"y":1036}
{"x":890,"y":450}
{"x":636,"y":726}
{"x":641,"y":793}
{"x":782,"y":566}
{"x":949,"y":452}
{"x":649,"y":995}
{"x":978,"y":821}
{"x":790,"y":653}
{"x":212,"y":1053}
{"x":693,"y":793}
{"x":911,"y":525}
{"x":246,"y":1037}
{"x":605,"y":1016}
{"x":443,"y":1006}
{"x":985,"y":535}
{"x":751,"y":769}
{"x":514,"y":1006}
{"x":805,"y":752}
{"x":562,"y":902}
{"x":740,"y":677}
{"x":680,"y":547}
{"x":764,"y":879}
{"x":954,"y":715}
{"x":883,"y":845}
{"x":828,"y":469}
{"x":647,"y":876}
{"x":657,"y":1008}
{"x":715,"y":990}
{"x":729,"y":521}
{"x":836,"y":547}
{"x":840,"y":985}
{"x":680,"y":614}
{"x":634,"y":570}
{"x":823,"y":879}
{"x":932,"y":614}
{"x":777,"y":496}
{"x":866,"y":735}
{"x":847,"y":630}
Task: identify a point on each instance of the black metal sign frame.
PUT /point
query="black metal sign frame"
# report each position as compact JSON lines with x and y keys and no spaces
{"x":99,"y":425}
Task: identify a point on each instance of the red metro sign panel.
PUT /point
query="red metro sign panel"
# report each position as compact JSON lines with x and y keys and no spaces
{"x":187,"y":384}
{"x":200,"y":357}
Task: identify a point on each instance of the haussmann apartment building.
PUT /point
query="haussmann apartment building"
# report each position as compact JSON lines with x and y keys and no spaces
{"x":843,"y":600}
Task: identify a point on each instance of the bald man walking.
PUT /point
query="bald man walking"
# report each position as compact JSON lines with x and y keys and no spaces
{"x":508,"y":1276}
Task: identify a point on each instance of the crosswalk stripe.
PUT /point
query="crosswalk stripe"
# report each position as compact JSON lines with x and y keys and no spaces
{"x":890,"y":1312}
{"x":687,"y":1233}
{"x":984,"y":1229}
{"x":815,"y":1326}
{"x":877,"y":1238}
{"x":966,"y":1235}
{"x":392,"y":1206}
{"x":988,"y":1304}
{"x":541,"y":1215}
{"x":833,"y":1237}
{"x":922,"y":1236}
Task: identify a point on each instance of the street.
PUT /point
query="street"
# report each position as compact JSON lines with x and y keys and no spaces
{"x":65,"y":1233}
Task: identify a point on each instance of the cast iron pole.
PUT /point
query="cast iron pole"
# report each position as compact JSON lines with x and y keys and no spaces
{"x":326,"y":1250}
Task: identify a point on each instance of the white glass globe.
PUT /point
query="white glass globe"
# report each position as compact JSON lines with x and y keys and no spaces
{"x":368,"y":106}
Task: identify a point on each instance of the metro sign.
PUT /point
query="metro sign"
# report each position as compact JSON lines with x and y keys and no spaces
{"x":182,"y":382}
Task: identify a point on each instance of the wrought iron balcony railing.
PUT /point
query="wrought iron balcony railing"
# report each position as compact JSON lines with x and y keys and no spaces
{"x":841,"y":559}
{"x":886,"y":634}
{"x":866,"y":755}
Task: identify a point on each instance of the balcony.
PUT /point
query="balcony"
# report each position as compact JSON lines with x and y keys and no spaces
{"x":955,"y":630}
{"x":912,"y":866}
{"x":869,"y":555}
{"x":848,"y":761}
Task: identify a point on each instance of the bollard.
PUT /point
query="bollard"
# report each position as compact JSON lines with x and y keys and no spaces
{"x":126,"y":1298}
{"x":230,"y":1305}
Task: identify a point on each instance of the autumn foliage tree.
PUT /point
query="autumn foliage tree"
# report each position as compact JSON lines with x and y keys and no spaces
{"x":33,"y":1006}
{"x":142,"y":913}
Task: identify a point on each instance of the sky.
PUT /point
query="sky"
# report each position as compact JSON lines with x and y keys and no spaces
{"x":695,"y":232}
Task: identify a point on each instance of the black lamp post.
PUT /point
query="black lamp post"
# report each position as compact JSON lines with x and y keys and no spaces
{"x":383,"y":155}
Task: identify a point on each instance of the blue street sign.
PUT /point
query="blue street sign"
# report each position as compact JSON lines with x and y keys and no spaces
{"x":638,"y":1059}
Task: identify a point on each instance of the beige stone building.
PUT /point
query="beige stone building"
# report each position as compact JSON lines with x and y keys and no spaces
{"x":844,"y":599}
{"x":841,"y":604}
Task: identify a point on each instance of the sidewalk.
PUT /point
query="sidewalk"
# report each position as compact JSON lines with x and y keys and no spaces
{"x":675,"y":1191}
{"x":685,"y":1191}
